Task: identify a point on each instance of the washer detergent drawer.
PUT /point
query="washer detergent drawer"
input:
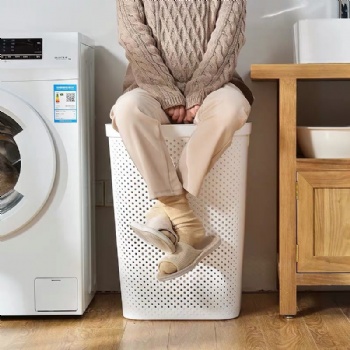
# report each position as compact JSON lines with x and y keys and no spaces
{"x":56,"y":294}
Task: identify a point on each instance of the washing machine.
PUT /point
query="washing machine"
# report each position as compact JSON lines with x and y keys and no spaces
{"x":47,"y":239}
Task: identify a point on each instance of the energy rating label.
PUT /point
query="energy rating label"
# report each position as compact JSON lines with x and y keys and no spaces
{"x":65,"y":103}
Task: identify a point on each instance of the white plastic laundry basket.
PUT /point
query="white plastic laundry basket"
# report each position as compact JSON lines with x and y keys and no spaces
{"x":213,"y":289}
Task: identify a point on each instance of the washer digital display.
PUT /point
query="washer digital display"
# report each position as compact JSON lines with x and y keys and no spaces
{"x":21,"y":49}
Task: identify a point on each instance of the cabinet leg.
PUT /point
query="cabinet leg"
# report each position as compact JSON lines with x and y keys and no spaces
{"x":288,"y":297}
{"x":287,"y":198}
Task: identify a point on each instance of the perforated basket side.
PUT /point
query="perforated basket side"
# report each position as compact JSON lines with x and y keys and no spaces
{"x":213,"y":289}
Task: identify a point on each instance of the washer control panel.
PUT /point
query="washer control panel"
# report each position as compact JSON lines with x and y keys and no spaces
{"x":21,"y":49}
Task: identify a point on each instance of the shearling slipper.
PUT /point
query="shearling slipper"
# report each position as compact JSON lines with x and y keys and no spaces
{"x":155,"y":237}
{"x":157,"y":221}
{"x":186,"y":257}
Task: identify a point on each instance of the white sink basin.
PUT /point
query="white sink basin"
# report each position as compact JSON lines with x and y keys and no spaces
{"x":324,"y":142}
{"x":322,"y":41}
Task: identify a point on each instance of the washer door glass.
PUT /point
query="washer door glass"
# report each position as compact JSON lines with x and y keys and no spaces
{"x":10,"y":163}
{"x":27,"y":163}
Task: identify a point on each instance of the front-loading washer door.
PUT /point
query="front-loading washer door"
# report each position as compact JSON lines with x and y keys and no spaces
{"x":26,"y":176}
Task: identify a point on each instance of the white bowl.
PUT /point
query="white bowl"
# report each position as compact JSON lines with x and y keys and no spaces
{"x":324,"y":142}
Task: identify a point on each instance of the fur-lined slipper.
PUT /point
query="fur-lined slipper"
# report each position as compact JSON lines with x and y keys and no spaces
{"x":151,"y":232}
{"x":155,"y":237}
{"x":186,"y":257}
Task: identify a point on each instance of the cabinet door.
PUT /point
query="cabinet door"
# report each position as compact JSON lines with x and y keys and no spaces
{"x":323,"y":227}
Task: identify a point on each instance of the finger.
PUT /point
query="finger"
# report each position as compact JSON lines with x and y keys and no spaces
{"x":188,"y":119}
{"x":175,"y":115}
{"x":182,"y":114}
{"x":170,"y":111}
{"x":195,"y":111}
{"x":190,"y":114}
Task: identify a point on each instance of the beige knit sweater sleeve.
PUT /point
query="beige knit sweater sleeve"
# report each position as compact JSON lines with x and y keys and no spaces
{"x":148,"y":67}
{"x":220,"y":59}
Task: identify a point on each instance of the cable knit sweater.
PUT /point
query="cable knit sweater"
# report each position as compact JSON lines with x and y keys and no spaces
{"x":182,"y":50}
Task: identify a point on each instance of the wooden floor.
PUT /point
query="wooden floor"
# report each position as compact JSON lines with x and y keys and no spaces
{"x":323,"y":322}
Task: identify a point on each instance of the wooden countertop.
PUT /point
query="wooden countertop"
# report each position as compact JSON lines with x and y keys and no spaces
{"x":300,"y":71}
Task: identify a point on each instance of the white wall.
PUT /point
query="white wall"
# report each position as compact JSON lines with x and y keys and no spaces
{"x":269,"y":40}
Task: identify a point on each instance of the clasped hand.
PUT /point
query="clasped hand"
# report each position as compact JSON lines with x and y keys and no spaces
{"x":179,"y":114}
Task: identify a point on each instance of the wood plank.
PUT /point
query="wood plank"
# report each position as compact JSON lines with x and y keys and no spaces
{"x":280,"y":333}
{"x":327,"y":179}
{"x":145,"y":335}
{"x":51,"y":334}
{"x":323,"y":279}
{"x":199,"y":335}
{"x":105,"y":310}
{"x":15,"y":333}
{"x":47,"y":334}
{"x":89,"y":338}
{"x":287,"y":198}
{"x":241,"y":333}
{"x":342,"y":299}
{"x":300,"y":71}
{"x":312,"y":164}
{"x":326,"y":323}
{"x":326,"y":264}
{"x":305,"y":223}
{"x":101,"y":327}
{"x":332,"y":222}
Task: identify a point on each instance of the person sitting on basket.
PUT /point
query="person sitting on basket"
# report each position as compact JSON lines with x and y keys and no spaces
{"x":182,"y":69}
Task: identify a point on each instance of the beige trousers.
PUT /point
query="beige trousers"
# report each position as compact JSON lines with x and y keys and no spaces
{"x":137,"y":117}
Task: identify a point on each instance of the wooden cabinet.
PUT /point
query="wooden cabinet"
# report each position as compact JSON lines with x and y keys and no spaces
{"x":314,"y":195}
